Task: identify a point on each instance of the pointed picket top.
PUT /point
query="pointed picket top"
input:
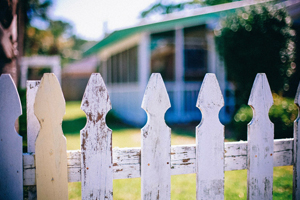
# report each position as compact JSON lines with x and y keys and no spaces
{"x":260,"y":141}
{"x":10,"y":95}
{"x":296,"y":176}
{"x":96,"y":142}
{"x":156,"y":100}
{"x":261,"y":96}
{"x":210,"y":141}
{"x":156,"y":142}
{"x":50,"y":145}
{"x":11,"y":168}
{"x":49,"y":89}
{"x":95,"y":92}
{"x":210,"y":99}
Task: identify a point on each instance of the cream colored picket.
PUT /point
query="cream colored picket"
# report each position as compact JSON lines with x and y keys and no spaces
{"x":210,"y":141}
{"x":296,"y":177}
{"x":260,"y":141}
{"x":11,"y":172}
{"x":156,"y":142}
{"x":156,"y":160}
{"x":50,"y":146}
{"x":96,"y":142}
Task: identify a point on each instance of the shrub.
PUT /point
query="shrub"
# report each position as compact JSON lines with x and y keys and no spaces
{"x":282,"y":114}
{"x":257,"y":39}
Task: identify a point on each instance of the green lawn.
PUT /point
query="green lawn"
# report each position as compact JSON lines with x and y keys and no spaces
{"x":182,"y":186}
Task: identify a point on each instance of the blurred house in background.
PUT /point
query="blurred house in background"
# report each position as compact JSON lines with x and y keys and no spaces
{"x":76,"y":75}
{"x":180,"y":46}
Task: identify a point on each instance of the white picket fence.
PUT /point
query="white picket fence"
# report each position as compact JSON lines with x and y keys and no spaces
{"x":49,"y":166}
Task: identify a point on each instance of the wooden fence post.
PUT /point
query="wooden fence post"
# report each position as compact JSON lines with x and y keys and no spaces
{"x":96,"y":142}
{"x":50,"y":146}
{"x":11,"y":166}
{"x":296,"y":177}
{"x":260,"y":141}
{"x":33,"y":126}
{"x":210,"y":141}
{"x":156,"y":142}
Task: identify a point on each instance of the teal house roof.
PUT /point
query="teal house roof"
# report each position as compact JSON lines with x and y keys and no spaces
{"x":199,"y":16}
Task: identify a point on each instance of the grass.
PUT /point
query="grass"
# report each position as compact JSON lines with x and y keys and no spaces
{"x":182,"y":186}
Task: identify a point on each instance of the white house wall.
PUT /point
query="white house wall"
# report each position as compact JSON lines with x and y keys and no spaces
{"x":120,"y":46}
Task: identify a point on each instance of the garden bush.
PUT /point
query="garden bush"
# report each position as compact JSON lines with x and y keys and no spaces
{"x":282,"y":114}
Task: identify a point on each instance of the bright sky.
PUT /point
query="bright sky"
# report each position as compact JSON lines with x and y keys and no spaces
{"x":88,"y":16}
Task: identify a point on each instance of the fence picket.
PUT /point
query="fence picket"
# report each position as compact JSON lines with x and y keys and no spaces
{"x":96,"y":142}
{"x":11,"y":167}
{"x":210,"y":141}
{"x":260,"y":141}
{"x":50,"y":146}
{"x":156,"y":142}
{"x":296,"y":176}
{"x":33,"y":126}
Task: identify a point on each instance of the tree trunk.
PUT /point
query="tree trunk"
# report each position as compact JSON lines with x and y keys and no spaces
{"x":8,"y":38}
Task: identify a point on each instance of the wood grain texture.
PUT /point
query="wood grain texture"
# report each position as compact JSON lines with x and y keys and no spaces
{"x":260,"y":141}
{"x":11,"y":173}
{"x":50,"y":146}
{"x":156,"y":142}
{"x":96,"y":142}
{"x":296,"y":177}
{"x":210,"y":141}
{"x":127,"y":161}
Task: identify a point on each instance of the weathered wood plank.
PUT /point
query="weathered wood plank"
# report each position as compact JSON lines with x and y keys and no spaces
{"x":156,"y":142}
{"x":33,"y":126}
{"x":183,"y":160}
{"x":96,"y":142}
{"x":210,"y":141}
{"x":50,"y":146}
{"x":11,"y":179}
{"x":260,"y":141}
{"x":296,"y":177}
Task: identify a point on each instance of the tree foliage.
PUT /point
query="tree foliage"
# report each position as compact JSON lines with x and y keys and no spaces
{"x":56,"y":39}
{"x":253,"y":40}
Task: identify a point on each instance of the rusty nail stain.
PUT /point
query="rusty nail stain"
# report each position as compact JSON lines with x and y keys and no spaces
{"x":167,"y":162}
{"x":148,"y":164}
{"x":271,"y":154}
{"x":255,"y":156}
{"x":87,"y":168}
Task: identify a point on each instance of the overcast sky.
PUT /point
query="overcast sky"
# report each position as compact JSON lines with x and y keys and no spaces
{"x":88,"y":16}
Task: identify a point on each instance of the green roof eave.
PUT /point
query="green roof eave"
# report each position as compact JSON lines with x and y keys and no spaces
{"x":164,"y":25}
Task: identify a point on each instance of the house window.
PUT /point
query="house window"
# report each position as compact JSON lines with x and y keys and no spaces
{"x":122,"y":67}
{"x":163,"y":54}
{"x":195,"y":53}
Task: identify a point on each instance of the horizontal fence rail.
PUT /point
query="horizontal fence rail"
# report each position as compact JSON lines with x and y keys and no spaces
{"x":126,"y":161}
{"x":48,"y":167}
